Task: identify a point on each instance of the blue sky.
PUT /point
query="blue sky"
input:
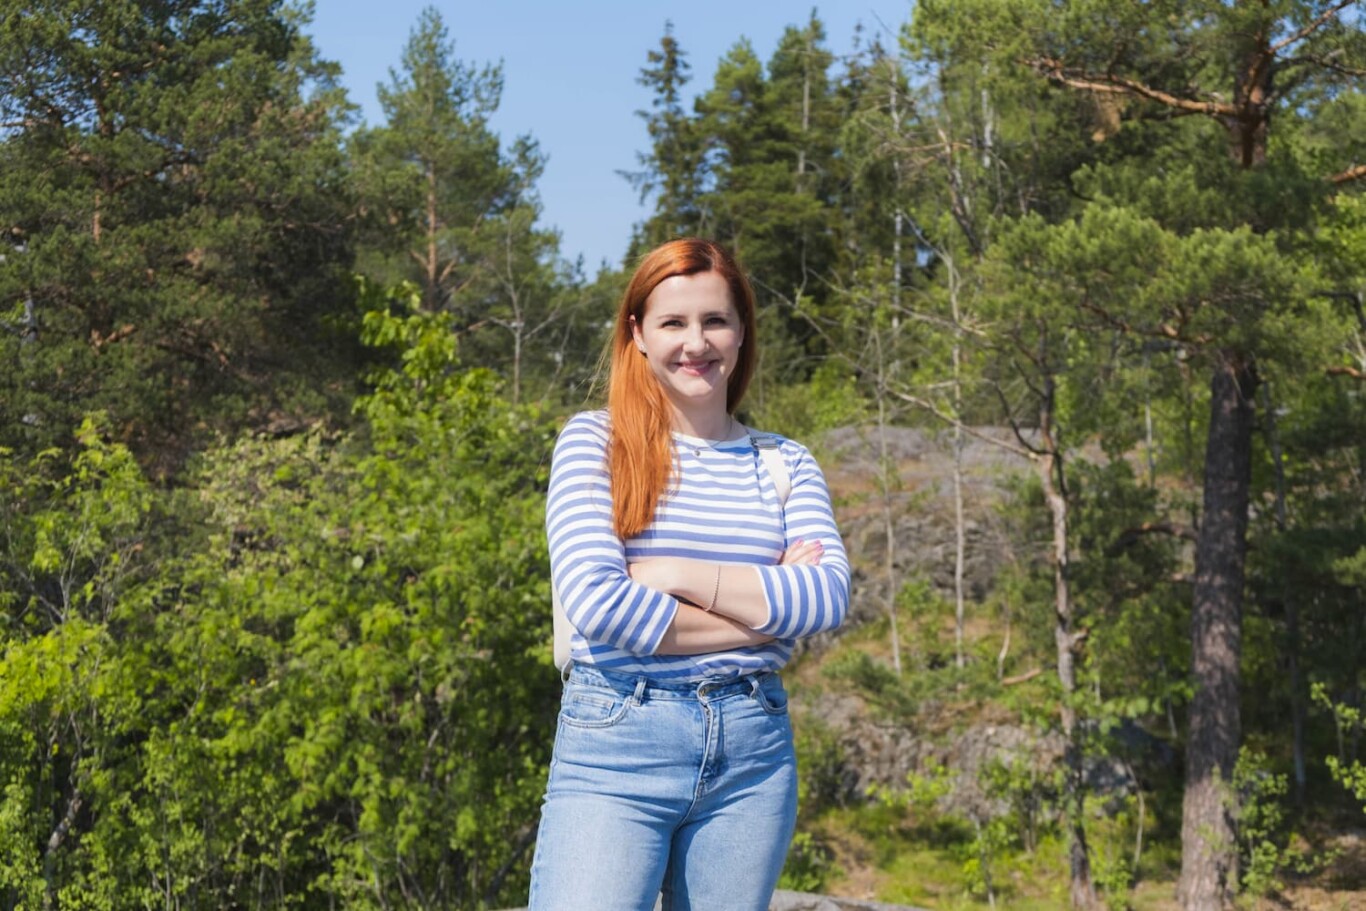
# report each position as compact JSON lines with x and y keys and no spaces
{"x":569,"y":71}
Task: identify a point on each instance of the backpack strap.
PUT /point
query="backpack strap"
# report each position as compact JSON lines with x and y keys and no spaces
{"x":562,"y":630}
{"x":766,"y":444}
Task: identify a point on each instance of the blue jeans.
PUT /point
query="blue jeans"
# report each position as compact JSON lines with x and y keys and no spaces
{"x":685,"y":792}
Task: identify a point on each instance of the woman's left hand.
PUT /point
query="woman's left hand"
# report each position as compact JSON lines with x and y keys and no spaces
{"x":802,"y":553}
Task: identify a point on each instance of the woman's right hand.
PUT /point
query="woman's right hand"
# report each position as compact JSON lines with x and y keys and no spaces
{"x":802,"y":553}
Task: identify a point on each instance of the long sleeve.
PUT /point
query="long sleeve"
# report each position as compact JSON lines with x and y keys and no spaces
{"x":804,"y":600}
{"x":587,"y":559}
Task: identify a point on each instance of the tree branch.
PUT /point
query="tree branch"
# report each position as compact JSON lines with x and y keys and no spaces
{"x":1356,"y":172}
{"x":1130,"y":535}
{"x":1118,"y":85}
{"x":1034,"y":451}
{"x":59,"y":834}
{"x":1326,"y":62}
{"x":954,"y":422}
{"x":1311,"y":27}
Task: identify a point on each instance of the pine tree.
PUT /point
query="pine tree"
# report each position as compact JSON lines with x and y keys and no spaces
{"x":672,"y":171}
{"x":174,"y":211}
{"x":451,"y":210}
{"x":1148,"y":71}
{"x":434,"y":173}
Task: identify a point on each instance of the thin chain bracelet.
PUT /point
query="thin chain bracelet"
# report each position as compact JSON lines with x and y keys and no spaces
{"x":716,"y":590}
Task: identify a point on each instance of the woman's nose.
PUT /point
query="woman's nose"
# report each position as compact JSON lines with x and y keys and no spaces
{"x":695,"y":341}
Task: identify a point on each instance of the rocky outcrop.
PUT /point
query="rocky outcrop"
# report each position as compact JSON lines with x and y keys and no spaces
{"x":921,"y":501}
{"x":878,"y":753}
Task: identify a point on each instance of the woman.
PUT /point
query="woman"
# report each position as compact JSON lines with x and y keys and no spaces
{"x":686,"y":576}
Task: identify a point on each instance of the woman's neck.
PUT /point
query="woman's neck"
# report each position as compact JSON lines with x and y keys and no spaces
{"x":708,"y":425}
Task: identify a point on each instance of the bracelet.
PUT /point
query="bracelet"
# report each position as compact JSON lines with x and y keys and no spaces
{"x":715,"y":591}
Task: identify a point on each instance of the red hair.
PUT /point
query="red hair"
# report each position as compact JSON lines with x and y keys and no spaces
{"x":640,"y":458}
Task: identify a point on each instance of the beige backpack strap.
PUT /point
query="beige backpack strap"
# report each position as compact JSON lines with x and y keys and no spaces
{"x":562,"y":629}
{"x":767,"y":446}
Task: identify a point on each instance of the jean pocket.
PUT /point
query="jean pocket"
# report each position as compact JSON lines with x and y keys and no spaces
{"x":591,"y":707}
{"x":772,"y":697}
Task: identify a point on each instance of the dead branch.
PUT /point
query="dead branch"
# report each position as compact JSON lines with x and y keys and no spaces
{"x":1353,"y":173}
{"x":954,"y":422}
{"x":1021,"y":678}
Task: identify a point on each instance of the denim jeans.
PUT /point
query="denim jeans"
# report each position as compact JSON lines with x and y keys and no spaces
{"x":684,"y":792}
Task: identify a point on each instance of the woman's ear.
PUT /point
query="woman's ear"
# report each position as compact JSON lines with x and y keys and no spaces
{"x":635,"y":334}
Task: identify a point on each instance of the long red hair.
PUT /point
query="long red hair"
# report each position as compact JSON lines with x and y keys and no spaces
{"x":640,"y":459}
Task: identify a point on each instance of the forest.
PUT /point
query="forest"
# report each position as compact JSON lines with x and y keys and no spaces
{"x":278,"y":394}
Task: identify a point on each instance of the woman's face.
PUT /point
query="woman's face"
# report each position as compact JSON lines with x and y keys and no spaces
{"x":691,"y":335}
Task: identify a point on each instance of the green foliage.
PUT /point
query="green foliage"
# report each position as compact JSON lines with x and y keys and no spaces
{"x":979,"y":835}
{"x":805,"y":411}
{"x":74,"y":573}
{"x":1113,"y":874}
{"x":1346,"y":770}
{"x":174,"y":206}
{"x":342,"y":694}
{"x":822,"y":766}
{"x":1265,"y":847}
{"x":889,"y":694}
{"x":810,"y":865}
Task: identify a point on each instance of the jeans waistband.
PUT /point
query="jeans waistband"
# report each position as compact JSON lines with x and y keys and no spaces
{"x":634,"y":684}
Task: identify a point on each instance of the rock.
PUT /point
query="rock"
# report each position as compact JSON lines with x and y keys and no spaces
{"x":802,"y":901}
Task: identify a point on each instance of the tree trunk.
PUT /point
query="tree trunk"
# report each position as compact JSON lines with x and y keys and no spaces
{"x":1290,"y":603}
{"x":1082,"y":890}
{"x":431,"y":270}
{"x":885,"y":475}
{"x":1067,"y":640}
{"x":1249,"y":131}
{"x":960,"y":544}
{"x":1209,"y":857}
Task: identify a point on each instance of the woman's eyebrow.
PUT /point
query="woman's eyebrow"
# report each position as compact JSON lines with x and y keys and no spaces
{"x":720,"y":311}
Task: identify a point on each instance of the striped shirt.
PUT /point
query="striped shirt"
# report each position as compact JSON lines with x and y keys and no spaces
{"x":722,"y":507}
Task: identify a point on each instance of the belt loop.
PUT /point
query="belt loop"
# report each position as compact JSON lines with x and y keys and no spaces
{"x":564,"y":671}
{"x":639,"y":694}
{"x":754,"y":685}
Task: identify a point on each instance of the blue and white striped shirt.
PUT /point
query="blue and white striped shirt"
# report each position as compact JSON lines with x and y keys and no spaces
{"x":723,"y":507}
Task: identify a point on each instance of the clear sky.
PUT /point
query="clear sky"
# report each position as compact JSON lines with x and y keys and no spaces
{"x":569,"y":71}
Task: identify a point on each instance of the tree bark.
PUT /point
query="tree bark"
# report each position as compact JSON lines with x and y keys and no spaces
{"x":1290,"y":603}
{"x":430,"y":267}
{"x":1209,"y":859}
{"x":1068,"y":641}
{"x":886,"y":470}
{"x":960,"y":544}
